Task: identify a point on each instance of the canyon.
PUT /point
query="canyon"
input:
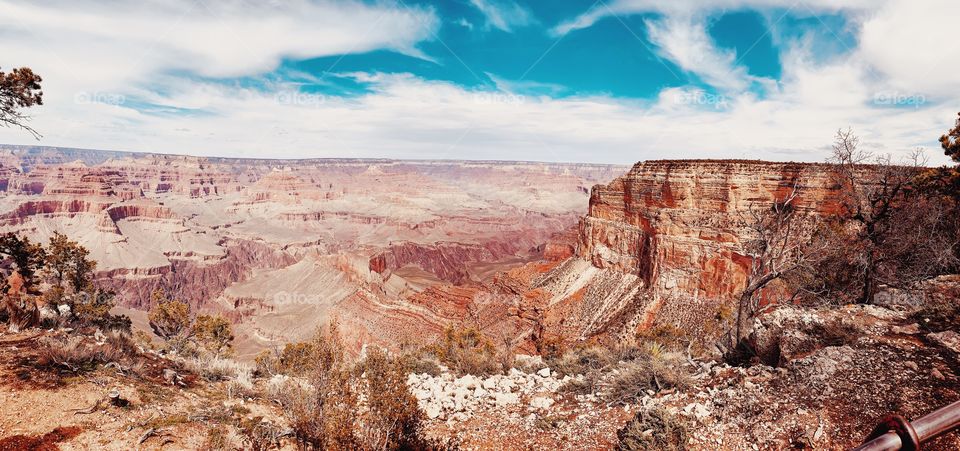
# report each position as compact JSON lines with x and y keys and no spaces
{"x":596,"y":277}
{"x":391,"y":249}
{"x":398,"y":250}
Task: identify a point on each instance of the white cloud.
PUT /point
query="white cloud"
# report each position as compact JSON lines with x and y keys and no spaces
{"x":504,"y":15}
{"x":694,"y":7}
{"x":914,"y":44}
{"x":684,"y":41}
{"x":215,"y":39}
{"x":408,"y":117}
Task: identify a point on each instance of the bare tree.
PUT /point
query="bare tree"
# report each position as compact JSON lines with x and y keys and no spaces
{"x":872,"y":191}
{"x":19,"y":89}
{"x":779,"y":247}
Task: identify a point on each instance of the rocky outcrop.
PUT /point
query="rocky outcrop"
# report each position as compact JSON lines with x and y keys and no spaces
{"x":457,"y":398}
{"x":446,"y":260}
{"x":680,"y":225}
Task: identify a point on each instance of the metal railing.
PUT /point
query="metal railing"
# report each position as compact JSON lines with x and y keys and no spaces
{"x":896,"y":433}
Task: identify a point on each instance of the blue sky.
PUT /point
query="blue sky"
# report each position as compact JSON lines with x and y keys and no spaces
{"x":612,"y":81}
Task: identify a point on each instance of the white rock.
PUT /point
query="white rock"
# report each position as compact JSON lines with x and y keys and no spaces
{"x":544,"y":372}
{"x":541,"y":402}
{"x":480,"y":393}
{"x":506,"y":399}
{"x":433,"y":411}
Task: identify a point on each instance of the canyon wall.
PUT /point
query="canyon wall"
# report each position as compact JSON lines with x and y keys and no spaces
{"x":681,"y":225}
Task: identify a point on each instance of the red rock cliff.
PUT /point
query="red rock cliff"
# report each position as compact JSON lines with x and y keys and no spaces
{"x":679,"y":225}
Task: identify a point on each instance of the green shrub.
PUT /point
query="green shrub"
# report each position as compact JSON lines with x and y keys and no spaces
{"x":213,"y":333}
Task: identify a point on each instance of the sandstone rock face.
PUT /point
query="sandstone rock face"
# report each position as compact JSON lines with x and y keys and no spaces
{"x":680,"y":225}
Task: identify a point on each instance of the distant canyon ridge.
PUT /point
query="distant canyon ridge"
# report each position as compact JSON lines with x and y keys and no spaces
{"x":393,"y":249}
{"x":398,"y":250}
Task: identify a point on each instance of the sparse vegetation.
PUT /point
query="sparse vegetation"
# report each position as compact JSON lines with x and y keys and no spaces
{"x":170,"y":320}
{"x":581,"y":360}
{"x":891,"y":227}
{"x":467,"y":351}
{"x":213,"y":333}
{"x":76,"y":354}
{"x":295,"y":359}
{"x":323,"y":414}
{"x":653,"y":429}
{"x":392,"y":418}
{"x":19,"y":89}
{"x":654,"y":370}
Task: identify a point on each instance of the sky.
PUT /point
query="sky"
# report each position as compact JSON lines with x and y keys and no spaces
{"x":602,"y":81}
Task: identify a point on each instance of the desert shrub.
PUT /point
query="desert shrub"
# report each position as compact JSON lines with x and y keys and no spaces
{"x":529,"y":364}
{"x":70,"y":353}
{"x":242,"y":385}
{"x":77,"y":354}
{"x":295,"y":359}
{"x":287,"y":390}
{"x":322,"y":416}
{"x":259,"y":434}
{"x":19,"y":312}
{"x":653,"y":429}
{"x":217,"y":439}
{"x":143,"y":339}
{"x":657,"y":370}
{"x":421,"y":362}
{"x":213,"y":333}
{"x":93,"y":307}
{"x":392,"y":419}
{"x":581,"y":360}
{"x":215,"y":368}
{"x":467,"y":351}
{"x":123,"y":342}
{"x":667,"y":335}
{"x":168,"y":318}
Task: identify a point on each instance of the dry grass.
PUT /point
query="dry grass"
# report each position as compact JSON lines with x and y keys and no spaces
{"x":79,"y":354}
{"x":214,"y":368}
{"x":582,"y":360}
{"x":467,"y":351}
{"x":653,"y":429}
{"x":657,"y":369}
